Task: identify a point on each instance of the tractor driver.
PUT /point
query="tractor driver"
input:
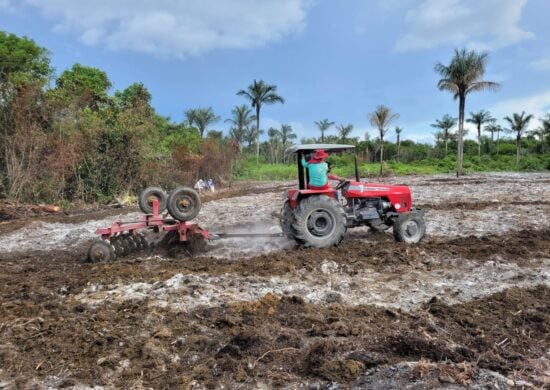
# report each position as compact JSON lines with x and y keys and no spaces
{"x":319,"y":171}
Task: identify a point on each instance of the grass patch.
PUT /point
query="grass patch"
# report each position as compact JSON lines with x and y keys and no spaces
{"x":343,"y":166}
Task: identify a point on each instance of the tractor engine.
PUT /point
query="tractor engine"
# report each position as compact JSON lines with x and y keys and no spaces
{"x":372,"y":212}
{"x":375,"y":205}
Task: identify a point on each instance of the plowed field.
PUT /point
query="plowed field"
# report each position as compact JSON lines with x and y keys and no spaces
{"x":468,"y":307}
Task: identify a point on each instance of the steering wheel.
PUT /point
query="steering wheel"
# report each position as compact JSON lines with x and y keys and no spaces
{"x":341,"y":184}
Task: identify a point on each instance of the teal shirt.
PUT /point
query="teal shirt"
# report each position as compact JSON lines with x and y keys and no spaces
{"x":317,"y":173}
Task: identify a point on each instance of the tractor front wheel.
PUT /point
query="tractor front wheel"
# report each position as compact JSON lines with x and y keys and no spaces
{"x":409,"y":228}
{"x":319,"y":222}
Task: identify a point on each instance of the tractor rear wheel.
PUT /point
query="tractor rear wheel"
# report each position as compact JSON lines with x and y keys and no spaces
{"x":287,"y":221}
{"x":148,"y":195}
{"x":287,"y":217}
{"x":319,"y":222}
{"x":409,"y":228}
{"x":184,"y":204}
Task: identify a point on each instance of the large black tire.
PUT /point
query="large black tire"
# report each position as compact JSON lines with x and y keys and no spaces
{"x":409,"y":228}
{"x":146,"y":199}
{"x":184,"y":204}
{"x":319,"y":222}
{"x":287,"y":218}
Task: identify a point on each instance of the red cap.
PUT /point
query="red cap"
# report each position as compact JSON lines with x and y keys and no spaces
{"x":320,"y":155}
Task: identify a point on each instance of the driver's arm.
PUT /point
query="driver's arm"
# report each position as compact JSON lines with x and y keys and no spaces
{"x":334,"y":177}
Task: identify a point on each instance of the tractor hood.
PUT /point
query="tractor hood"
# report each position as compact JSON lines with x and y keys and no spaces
{"x":399,"y":196}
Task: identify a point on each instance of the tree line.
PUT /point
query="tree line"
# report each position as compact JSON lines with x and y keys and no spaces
{"x":67,"y":137}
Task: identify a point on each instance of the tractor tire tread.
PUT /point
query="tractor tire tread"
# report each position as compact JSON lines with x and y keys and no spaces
{"x":305,"y":208}
{"x":176,"y":212}
{"x":146,"y":194}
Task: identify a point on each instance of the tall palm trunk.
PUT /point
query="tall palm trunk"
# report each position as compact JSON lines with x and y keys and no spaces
{"x":460,"y":146}
{"x":258,"y":136}
{"x":398,"y":146}
{"x":498,"y":142}
{"x":381,"y":154}
{"x":446,"y":145}
{"x":479,"y":140}
{"x":518,"y":139}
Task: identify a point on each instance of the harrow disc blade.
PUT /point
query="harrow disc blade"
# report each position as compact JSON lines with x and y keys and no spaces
{"x":129,"y":243}
{"x":101,"y":251}
{"x":120,"y":250}
{"x":137,"y":241}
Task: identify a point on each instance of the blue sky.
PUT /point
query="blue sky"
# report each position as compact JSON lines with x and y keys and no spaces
{"x":335,"y":59}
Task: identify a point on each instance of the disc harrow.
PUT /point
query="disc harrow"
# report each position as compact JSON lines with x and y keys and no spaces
{"x":124,"y":238}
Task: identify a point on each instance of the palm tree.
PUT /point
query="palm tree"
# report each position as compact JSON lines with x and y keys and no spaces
{"x":544,"y":130}
{"x":242,"y":118}
{"x":260,"y":93}
{"x":494,"y":128}
{"x":274,"y":142}
{"x":398,"y":131}
{"x":438,"y":135}
{"x":463,"y":75}
{"x":479,"y":119}
{"x":190,"y":116}
{"x":518,"y":124}
{"x":381,"y":119}
{"x":344,"y":131}
{"x":252,"y":135}
{"x":446,"y":123}
{"x":323,"y":126}
{"x":491,"y":128}
{"x":287,"y":134}
{"x":202,"y":118}
{"x":538,"y":132}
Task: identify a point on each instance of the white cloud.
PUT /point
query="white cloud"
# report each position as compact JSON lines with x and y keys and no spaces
{"x":542,"y":64}
{"x":167,"y":28}
{"x":537,"y":104}
{"x":479,"y":24}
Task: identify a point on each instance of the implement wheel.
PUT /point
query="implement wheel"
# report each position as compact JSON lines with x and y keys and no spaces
{"x":101,"y":252}
{"x":319,"y":222}
{"x":148,"y":195}
{"x":409,"y":228}
{"x":184,"y":204}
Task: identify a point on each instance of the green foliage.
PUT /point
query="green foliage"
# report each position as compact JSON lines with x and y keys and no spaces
{"x":343,"y":165}
{"x":186,"y":136}
{"x":22,"y":60}
{"x":89,"y":85}
{"x":135,"y":95}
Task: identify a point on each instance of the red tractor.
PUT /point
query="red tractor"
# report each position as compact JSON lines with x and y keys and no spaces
{"x":320,"y":218}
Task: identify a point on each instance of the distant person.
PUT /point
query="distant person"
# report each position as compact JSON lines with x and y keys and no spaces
{"x":319,"y":172}
{"x":210,"y":185}
{"x":200,"y":185}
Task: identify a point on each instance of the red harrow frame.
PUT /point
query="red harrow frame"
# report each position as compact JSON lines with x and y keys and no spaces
{"x":183,"y":204}
{"x":122,"y":238}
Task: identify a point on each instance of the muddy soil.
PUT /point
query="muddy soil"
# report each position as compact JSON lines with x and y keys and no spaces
{"x":466,"y":308}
